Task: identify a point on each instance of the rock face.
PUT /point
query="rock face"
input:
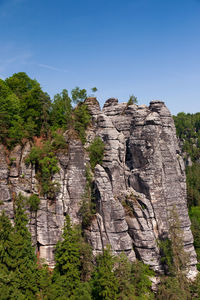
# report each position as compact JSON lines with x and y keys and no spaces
{"x":141,"y":180}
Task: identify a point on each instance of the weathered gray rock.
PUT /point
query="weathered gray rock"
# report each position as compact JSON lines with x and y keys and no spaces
{"x":141,"y":179}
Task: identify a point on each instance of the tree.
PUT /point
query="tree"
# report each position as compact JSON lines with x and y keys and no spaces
{"x":194,"y":214}
{"x":61,"y":111}
{"x":104,"y":283}
{"x":67,"y":273}
{"x":9,"y":115}
{"x":81,"y":118}
{"x":132,"y":100}
{"x":176,"y":285}
{"x":94,"y":90}
{"x":18,"y":274}
{"x":20,"y":84}
{"x":124,"y":276}
{"x":34,"y":103}
{"x":78,"y":95}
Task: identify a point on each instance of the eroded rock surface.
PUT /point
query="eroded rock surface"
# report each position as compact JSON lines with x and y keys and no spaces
{"x":141,"y":179}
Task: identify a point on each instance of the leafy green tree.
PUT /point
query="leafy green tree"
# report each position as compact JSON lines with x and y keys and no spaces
{"x":9,"y":115}
{"x":34,"y":103}
{"x":78,"y":95}
{"x":20,"y":83}
{"x":82,"y":119}
{"x":61,"y":112}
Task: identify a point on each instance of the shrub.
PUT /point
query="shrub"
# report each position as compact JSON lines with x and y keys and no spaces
{"x":45,"y":161}
{"x":88,"y":207}
{"x":33,"y":202}
{"x":96,"y":151}
{"x":81,"y":120}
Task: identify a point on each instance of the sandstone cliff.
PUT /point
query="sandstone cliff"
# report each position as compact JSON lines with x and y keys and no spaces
{"x":141,"y":179}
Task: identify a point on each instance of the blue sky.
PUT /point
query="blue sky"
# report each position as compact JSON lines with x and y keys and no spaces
{"x":149,"y":48}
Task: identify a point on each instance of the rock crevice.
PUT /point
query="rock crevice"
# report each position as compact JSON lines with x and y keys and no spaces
{"x":140,"y":180}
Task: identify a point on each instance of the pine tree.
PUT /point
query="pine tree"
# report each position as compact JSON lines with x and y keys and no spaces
{"x":104,"y":283}
{"x":176,"y":285}
{"x":18,"y":261}
{"x":67,"y":273}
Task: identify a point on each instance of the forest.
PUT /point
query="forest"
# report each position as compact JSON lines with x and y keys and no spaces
{"x":26,"y":113}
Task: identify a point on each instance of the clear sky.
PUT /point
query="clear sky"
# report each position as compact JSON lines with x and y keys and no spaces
{"x":149,"y":48}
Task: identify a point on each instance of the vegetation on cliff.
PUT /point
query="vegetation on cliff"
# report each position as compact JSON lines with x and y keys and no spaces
{"x":27,"y":113}
{"x":188,"y":131}
{"x":75,"y":275}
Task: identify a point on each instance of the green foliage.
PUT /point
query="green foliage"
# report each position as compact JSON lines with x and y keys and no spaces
{"x":141,"y":280}
{"x":58,"y":141}
{"x":193,"y":184}
{"x":34,"y":202}
{"x":18,"y":269}
{"x":27,"y":111}
{"x":104,"y":283}
{"x":194,"y":214}
{"x":82,"y":119}
{"x":94,"y":89}
{"x":21,"y":84}
{"x":10,"y":120}
{"x":24,"y":109}
{"x":132,"y":100}
{"x":67,"y":272}
{"x":46,"y":164}
{"x":44,"y":282}
{"x":61,"y":112}
{"x":169,"y":289}
{"x":124,"y":277}
{"x":195,"y":288}
{"x":88,"y":208}
{"x":165,"y":246}
{"x":78,"y":95}
{"x":128,"y":207}
{"x":188,"y":130}
{"x":175,"y":286}
{"x":96,"y":151}
{"x":34,"y":103}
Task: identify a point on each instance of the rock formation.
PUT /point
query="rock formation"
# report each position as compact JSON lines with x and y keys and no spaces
{"x":141,"y":179}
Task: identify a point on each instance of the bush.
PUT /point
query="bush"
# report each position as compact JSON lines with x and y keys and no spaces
{"x":88,"y":207}
{"x":46,"y":165}
{"x":96,"y":151}
{"x":33,"y":202}
{"x":81,"y":120}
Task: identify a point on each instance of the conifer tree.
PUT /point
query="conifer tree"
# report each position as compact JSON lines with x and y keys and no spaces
{"x":104,"y":283}
{"x":18,"y":261}
{"x":67,"y":273}
{"x":176,"y":285}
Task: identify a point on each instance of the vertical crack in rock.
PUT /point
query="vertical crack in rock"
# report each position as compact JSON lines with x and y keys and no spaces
{"x":142,"y":177}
